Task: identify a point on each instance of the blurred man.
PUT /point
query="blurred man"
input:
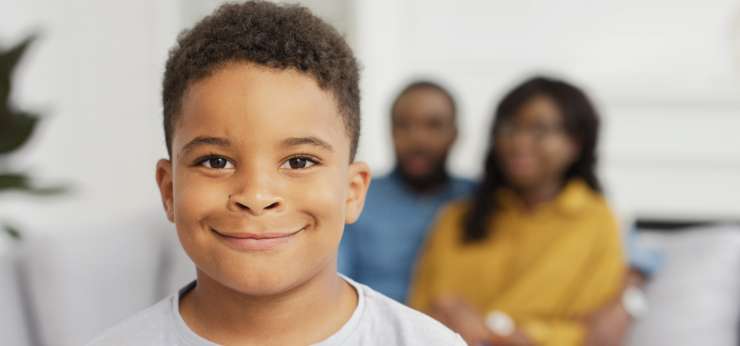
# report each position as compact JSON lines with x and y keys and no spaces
{"x":380,"y":249}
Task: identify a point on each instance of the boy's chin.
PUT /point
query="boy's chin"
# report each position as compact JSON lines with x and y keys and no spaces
{"x":266,"y":282}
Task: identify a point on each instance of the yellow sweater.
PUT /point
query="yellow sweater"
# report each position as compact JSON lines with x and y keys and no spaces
{"x":547,"y":268}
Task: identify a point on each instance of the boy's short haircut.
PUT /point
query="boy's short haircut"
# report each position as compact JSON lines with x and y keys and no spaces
{"x":266,"y":34}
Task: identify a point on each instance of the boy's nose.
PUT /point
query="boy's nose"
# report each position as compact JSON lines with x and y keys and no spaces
{"x":255,"y":196}
{"x":255,"y":203}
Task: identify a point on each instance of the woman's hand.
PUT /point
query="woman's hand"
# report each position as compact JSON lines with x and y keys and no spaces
{"x":608,"y":326}
{"x":462,"y":318}
{"x":518,"y":338}
{"x":471,"y":325}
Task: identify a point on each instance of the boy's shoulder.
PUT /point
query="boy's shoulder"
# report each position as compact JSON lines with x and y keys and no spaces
{"x":379,"y":320}
{"x":388,"y":322}
{"x":152,"y":326}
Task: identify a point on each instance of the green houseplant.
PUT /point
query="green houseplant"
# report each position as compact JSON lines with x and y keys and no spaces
{"x":16,"y":128}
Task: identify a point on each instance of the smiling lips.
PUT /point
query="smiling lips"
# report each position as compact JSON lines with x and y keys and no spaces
{"x":256,"y":241}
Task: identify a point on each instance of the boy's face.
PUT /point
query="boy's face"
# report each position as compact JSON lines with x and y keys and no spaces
{"x":260,"y":184}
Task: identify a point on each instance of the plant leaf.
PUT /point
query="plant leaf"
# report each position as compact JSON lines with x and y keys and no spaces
{"x":12,"y":232}
{"x":13,"y":181}
{"x":15,"y":129}
{"x":21,"y":182}
{"x":8,"y":61}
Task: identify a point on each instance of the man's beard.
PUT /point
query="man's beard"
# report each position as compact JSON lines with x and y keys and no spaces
{"x":434,"y":179}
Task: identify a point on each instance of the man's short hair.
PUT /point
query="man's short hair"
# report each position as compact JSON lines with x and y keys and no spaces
{"x":425,"y":84}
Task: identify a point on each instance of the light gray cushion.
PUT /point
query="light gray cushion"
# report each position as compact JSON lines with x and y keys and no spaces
{"x":13,"y":327}
{"x":87,"y":278}
{"x":695,"y":297}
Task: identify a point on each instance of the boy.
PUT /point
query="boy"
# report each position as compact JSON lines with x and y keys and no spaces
{"x":261,"y":118}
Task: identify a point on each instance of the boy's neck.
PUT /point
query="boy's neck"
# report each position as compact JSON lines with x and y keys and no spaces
{"x":310,"y":312}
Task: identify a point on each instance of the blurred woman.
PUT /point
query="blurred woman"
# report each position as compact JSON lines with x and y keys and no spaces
{"x":536,"y":249}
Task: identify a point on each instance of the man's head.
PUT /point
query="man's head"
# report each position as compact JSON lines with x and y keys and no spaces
{"x":261,"y":114}
{"x":423,"y":119}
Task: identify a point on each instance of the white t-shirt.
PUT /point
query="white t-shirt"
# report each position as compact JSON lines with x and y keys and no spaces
{"x":377,"y":320}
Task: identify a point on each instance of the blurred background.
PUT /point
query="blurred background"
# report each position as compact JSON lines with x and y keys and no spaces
{"x":665,"y":75}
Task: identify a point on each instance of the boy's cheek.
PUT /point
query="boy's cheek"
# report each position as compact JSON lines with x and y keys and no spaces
{"x":324,"y":199}
{"x":193,"y":199}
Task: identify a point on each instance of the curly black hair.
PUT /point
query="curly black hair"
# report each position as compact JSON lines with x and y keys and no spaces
{"x":277,"y":36}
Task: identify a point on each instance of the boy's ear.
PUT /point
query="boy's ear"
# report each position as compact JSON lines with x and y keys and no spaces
{"x":164,"y":182}
{"x":359,"y":182}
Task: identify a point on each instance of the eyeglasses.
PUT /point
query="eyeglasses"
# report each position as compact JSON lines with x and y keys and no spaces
{"x":538,"y":132}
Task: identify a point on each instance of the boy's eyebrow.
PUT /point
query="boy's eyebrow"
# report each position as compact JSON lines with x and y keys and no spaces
{"x":204,"y":140}
{"x":310,"y":140}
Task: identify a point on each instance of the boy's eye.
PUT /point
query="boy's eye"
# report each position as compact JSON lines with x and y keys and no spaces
{"x":216,"y":163}
{"x":298,"y":162}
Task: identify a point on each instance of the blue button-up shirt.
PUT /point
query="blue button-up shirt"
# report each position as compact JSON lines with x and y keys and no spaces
{"x":380,"y":249}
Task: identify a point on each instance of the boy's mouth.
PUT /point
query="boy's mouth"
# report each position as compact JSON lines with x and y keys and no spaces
{"x":245,"y":241}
